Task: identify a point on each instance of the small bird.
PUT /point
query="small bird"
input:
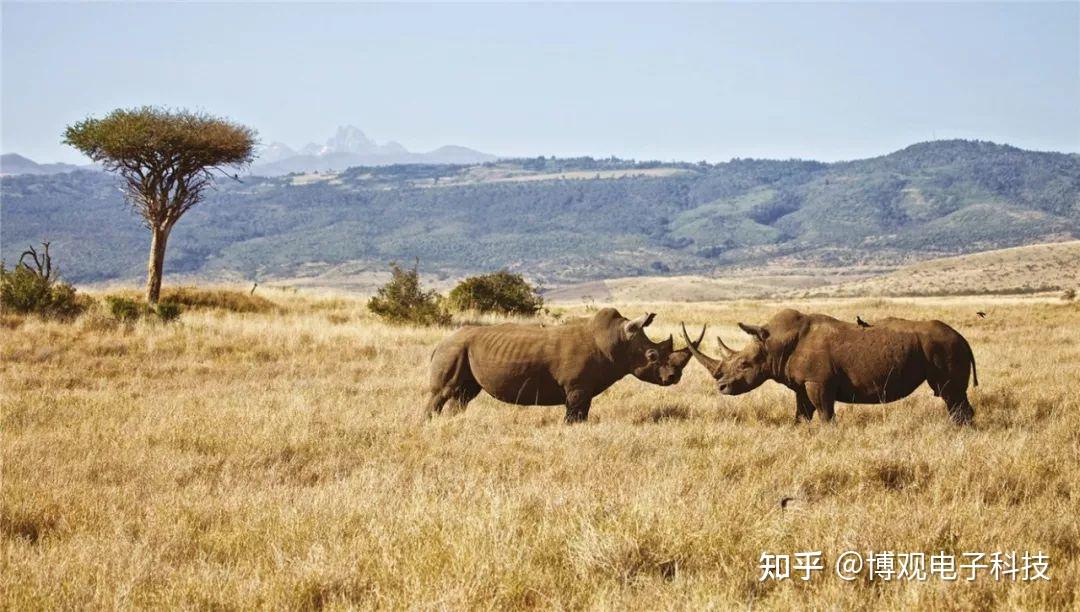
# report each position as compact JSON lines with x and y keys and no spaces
{"x":861,"y":323}
{"x":253,"y":288}
{"x":982,"y":315}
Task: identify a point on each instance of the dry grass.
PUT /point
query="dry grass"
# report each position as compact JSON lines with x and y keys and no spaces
{"x":1019,"y":270}
{"x":227,"y":299}
{"x":242,"y":460}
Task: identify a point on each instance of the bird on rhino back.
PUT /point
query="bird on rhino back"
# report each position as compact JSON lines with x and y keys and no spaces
{"x":824,"y":360}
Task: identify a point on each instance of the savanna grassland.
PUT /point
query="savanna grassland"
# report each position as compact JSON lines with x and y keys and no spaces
{"x":274,"y":459}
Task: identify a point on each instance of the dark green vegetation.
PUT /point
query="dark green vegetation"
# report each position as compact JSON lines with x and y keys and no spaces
{"x":34,"y":287}
{"x":585,"y":219}
{"x":501,"y":292}
{"x":176,"y":300}
{"x":401,"y":300}
{"x":129,"y":310}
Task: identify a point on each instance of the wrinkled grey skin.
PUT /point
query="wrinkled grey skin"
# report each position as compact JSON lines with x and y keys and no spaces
{"x":564,"y":364}
{"x":824,"y":360}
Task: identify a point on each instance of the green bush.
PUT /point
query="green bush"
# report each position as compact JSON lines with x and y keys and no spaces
{"x":36,"y":290}
{"x":500,"y":292}
{"x":169,"y":311}
{"x":402,"y":301}
{"x":127,"y":310}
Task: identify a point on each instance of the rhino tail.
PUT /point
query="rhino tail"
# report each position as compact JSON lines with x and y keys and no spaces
{"x":971,"y":358}
{"x":974,"y":372}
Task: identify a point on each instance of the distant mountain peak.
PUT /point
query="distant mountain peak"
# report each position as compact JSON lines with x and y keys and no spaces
{"x":394,"y":147}
{"x":16,"y":158}
{"x":350,"y":146}
{"x":275,"y":151}
{"x":350,"y":139}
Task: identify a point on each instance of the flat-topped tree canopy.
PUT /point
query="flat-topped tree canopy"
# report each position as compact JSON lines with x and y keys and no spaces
{"x":167,"y":158}
{"x":150,"y":134}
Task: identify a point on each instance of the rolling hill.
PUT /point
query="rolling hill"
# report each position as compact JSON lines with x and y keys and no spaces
{"x":1018,"y":270}
{"x":13,"y":163}
{"x":1039,"y":268}
{"x":563,"y":221}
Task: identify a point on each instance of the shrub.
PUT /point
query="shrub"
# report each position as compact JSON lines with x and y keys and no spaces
{"x":402,"y":301}
{"x":500,"y":292}
{"x":168,"y":311}
{"x":1068,"y":295}
{"x":126,"y":310}
{"x":37,"y":290}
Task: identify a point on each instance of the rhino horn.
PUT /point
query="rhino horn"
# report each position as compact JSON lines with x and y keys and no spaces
{"x":712,"y":365}
{"x":723,"y":347}
{"x":701,"y":336}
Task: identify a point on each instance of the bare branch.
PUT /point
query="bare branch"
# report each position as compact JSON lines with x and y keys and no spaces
{"x":42,"y":263}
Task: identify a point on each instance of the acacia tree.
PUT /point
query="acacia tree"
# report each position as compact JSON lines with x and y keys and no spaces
{"x":167,"y":160}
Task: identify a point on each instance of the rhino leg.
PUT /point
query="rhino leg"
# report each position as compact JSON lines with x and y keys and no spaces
{"x":461,"y":397}
{"x":577,"y":405}
{"x":804,"y":408}
{"x":435,"y":402}
{"x":822,"y":398}
{"x":451,"y":380}
{"x":958,"y":406}
{"x":952,"y":387}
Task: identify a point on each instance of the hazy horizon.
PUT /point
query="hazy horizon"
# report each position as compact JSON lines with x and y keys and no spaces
{"x":667,"y":82}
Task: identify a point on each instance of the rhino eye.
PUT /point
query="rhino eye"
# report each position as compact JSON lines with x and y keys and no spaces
{"x":652,"y":355}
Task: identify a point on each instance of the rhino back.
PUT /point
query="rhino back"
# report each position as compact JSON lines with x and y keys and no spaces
{"x":941,"y":344}
{"x":868,"y":365}
{"x":528,"y":364}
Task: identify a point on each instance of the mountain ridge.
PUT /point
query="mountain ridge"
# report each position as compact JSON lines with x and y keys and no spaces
{"x":349,"y":146}
{"x":564,"y":221}
{"x":13,"y":164}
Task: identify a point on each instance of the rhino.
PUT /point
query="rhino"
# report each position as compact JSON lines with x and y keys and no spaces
{"x":565,"y":364}
{"x":825,"y":360}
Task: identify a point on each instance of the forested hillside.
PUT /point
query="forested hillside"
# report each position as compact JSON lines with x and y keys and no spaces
{"x":564,"y":220}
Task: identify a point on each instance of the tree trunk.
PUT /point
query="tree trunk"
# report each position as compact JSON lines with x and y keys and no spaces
{"x":155,"y":267}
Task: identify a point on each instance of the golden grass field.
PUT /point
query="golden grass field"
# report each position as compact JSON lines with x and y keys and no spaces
{"x":275,"y":460}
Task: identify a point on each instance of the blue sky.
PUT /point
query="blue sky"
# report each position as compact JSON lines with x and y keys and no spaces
{"x":688,"y":81}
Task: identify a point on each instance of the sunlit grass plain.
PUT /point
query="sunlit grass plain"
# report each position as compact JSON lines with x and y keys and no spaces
{"x":276,"y":460}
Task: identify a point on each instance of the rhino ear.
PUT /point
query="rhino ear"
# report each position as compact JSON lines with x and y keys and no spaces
{"x":757,"y":331}
{"x":633,"y":327}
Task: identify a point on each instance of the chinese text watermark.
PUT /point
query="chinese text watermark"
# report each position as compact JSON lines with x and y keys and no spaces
{"x":887,"y":566}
